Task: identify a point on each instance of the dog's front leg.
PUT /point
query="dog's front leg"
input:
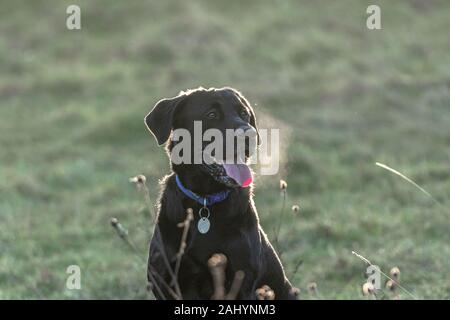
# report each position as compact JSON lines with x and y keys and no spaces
{"x":244,"y":254}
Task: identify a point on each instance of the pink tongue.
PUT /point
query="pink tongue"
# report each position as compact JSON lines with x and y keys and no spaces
{"x":240,"y":173}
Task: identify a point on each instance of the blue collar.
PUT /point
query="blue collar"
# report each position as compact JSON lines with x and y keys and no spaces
{"x":209,"y":200}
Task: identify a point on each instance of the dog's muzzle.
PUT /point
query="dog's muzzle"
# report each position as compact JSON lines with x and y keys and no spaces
{"x":231,"y":175}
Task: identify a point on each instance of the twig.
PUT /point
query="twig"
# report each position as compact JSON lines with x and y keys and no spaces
{"x":165,"y":284}
{"x":185,"y":225}
{"x":236,"y":285}
{"x":123,"y":234}
{"x":381,"y":165}
{"x":283,"y":187}
{"x":140,"y":182}
{"x":155,"y":285}
{"x":217,"y":264}
{"x":160,"y":246}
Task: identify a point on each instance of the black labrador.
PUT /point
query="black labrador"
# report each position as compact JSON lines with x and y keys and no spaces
{"x":232,"y":227}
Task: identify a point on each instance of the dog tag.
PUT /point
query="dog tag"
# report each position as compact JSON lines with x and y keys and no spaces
{"x":203,"y":225}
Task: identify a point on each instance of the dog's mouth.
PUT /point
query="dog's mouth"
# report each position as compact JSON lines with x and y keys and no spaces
{"x":239,"y":172}
{"x":231,"y":175}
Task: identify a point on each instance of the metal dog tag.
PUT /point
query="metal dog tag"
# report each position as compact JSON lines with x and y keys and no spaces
{"x":203,"y":225}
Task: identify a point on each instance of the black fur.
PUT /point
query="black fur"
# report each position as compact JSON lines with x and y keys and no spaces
{"x":235,"y":230}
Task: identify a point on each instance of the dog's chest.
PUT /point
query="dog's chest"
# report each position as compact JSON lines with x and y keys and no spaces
{"x":202,"y":245}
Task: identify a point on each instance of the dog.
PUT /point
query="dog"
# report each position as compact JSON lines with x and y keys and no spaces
{"x":228,"y":223}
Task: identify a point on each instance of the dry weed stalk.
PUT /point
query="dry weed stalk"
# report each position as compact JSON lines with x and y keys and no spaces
{"x":185,"y":225}
{"x":409,"y":180}
{"x":164,"y":284}
{"x":217,"y":265}
{"x":140,"y":182}
{"x":283,"y":189}
{"x":123,"y":234}
{"x":236,"y":285}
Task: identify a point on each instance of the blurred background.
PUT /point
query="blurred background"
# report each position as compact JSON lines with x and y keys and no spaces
{"x":72,"y":105}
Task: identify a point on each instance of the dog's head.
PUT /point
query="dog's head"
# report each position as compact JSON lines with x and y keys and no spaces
{"x":203,"y":114}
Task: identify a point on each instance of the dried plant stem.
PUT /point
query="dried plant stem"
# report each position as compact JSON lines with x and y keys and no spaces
{"x":235,"y":285}
{"x":185,"y":225}
{"x":401,"y":175}
{"x":384,"y":274}
{"x":158,"y":241}
{"x":217,"y":264}
{"x":166,"y":285}
{"x":156,"y":286}
{"x":149,"y":203}
{"x":278,"y":230}
{"x":123,"y":234}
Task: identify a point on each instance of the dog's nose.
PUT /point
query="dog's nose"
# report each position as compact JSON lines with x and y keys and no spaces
{"x":246,"y":131}
{"x":250,"y":136}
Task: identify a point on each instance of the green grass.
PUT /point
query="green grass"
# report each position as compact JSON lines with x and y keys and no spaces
{"x":71,"y":134}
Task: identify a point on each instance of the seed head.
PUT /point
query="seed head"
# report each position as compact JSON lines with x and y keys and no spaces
{"x":270,"y":295}
{"x":295,"y":291}
{"x":368,"y":289}
{"x":265,"y":293}
{"x":114,"y":222}
{"x":312,"y":287}
{"x":395,"y":273}
{"x":121,"y":231}
{"x":295,"y":208}
{"x":139,"y":179}
{"x":283,"y":185}
{"x":266,"y":288}
{"x":260,"y":294}
{"x":391,"y":285}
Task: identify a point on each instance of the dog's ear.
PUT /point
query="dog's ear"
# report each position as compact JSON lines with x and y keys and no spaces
{"x":160,"y":120}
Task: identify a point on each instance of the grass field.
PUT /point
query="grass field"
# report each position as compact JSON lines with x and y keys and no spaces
{"x":71,"y":134}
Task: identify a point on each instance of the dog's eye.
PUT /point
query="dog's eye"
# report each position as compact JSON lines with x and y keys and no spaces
{"x":212,"y":115}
